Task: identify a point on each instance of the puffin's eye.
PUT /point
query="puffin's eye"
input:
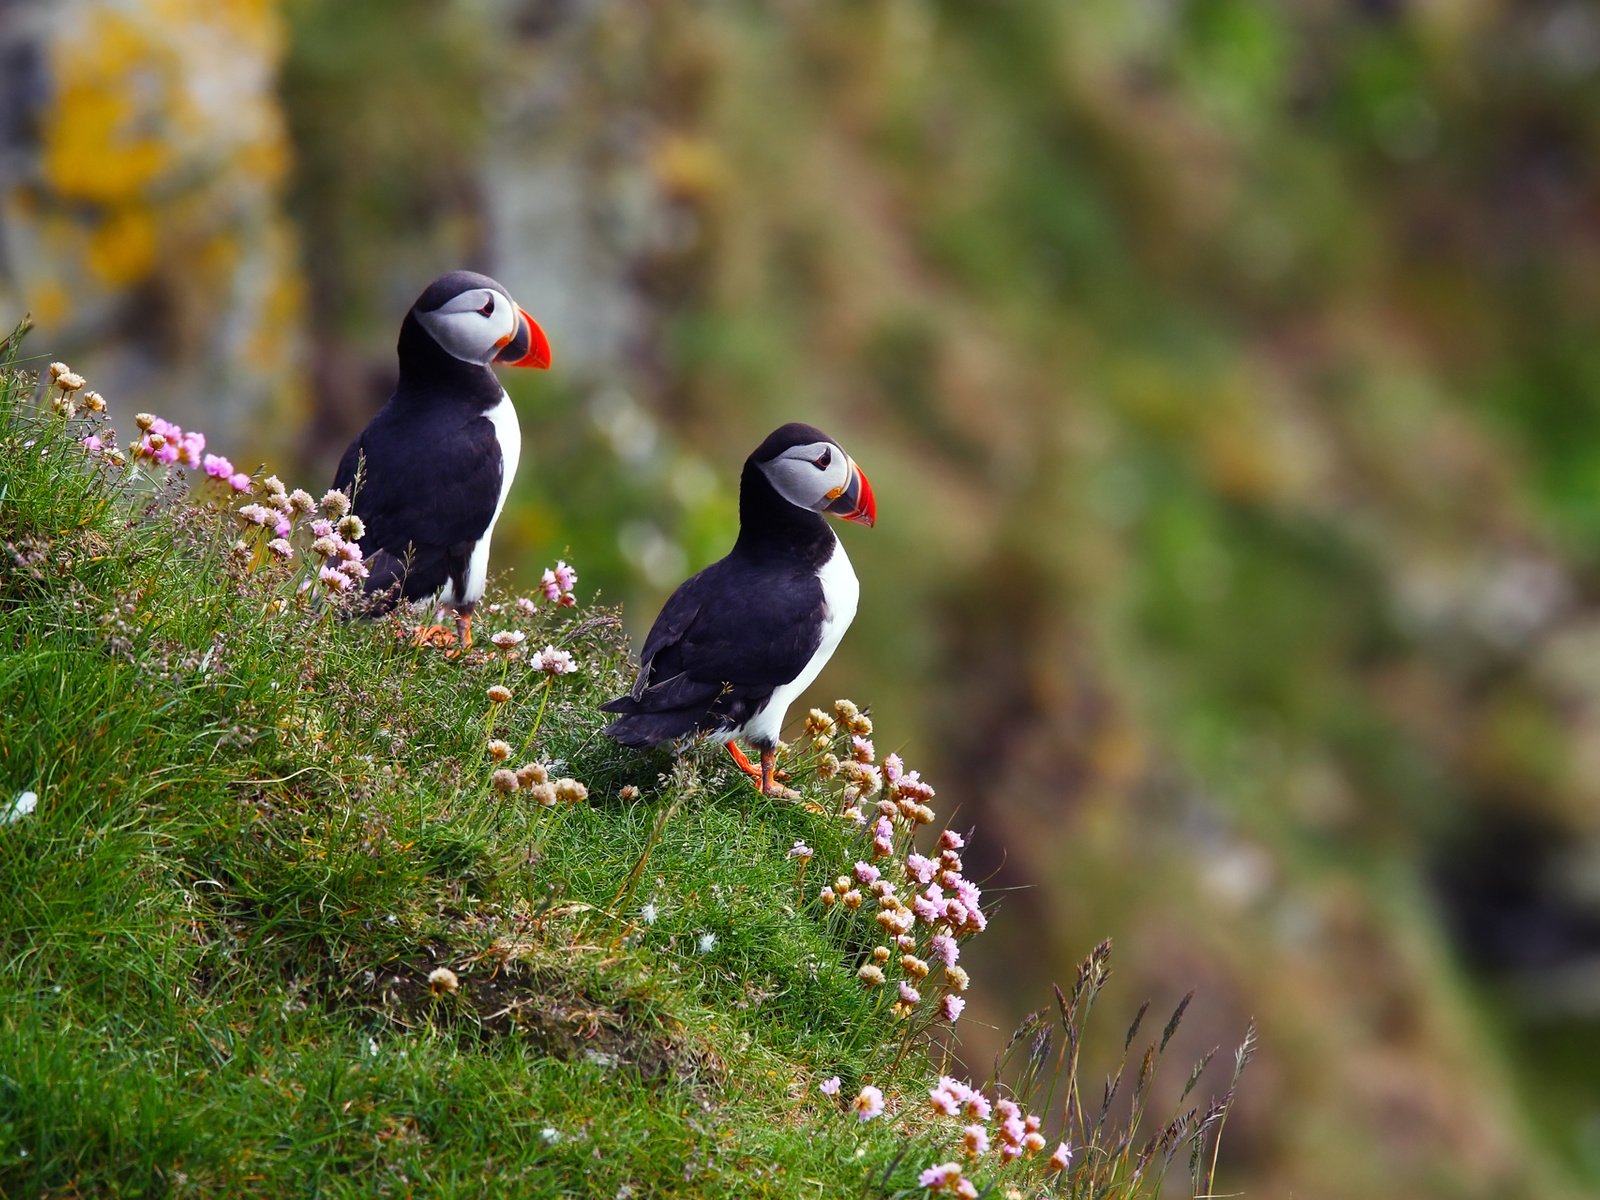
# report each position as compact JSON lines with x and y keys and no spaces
{"x":821,"y":461}
{"x":488,"y":307}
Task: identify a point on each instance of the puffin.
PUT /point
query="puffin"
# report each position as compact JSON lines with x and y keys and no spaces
{"x":736,"y":643}
{"x":429,"y":474}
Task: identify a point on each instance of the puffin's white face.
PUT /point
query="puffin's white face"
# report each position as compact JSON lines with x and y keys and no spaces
{"x":475,"y":325}
{"x":822,"y":477}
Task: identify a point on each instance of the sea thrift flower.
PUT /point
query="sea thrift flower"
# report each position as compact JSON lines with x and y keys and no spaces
{"x":69,"y":381}
{"x":851,"y":898}
{"x":217,"y":467}
{"x":958,"y":978}
{"x":951,"y":1006}
{"x":943,"y":947}
{"x":280,"y":548}
{"x":334,"y":502}
{"x":912,"y":965}
{"x":336,"y":580}
{"x":498,"y":750}
{"x":554,"y":662}
{"x":240,"y":482}
{"x":532,"y":773}
{"x":508,"y":639}
{"x":818,"y":723}
{"x":919,"y":868}
{"x":893,"y":768}
{"x":866,"y":873}
{"x":870,"y":974}
{"x":868,"y":1103}
{"x":321,"y":528}
{"x":976,"y":1104}
{"x":861,"y":750}
{"x":951,"y":840}
{"x":628,"y":792}
{"x":829,"y":1086}
{"x":945,"y":1102}
{"x":1033,"y":1142}
{"x":350,"y":526}
{"x":570,"y":791}
{"x":827,"y":896}
{"x":936,"y":1179}
{"x":543,"y":794}
{"x":92,"y":444}
{"x":255,"y":514}
{"x":975,"y":1140}
{"x":801,"y":851}
{"x":300,"y":501}
{"x":909,"y":994}
{"x":499,"y":694}
{"x":504,"y":781}
{"x":442,"y":981}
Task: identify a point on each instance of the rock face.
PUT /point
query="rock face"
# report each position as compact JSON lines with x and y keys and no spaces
{"x":145,"y":157}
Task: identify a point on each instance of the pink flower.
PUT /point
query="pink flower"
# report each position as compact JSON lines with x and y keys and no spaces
{"x":975,"y":1140}
{"x":909,"y":994}
{"x":281,"y":548}
{"x":526,"y":607}
{"x":944,"y":1101}
{"x":966,"y":1189}
{"x":893,"y":768}
{"x":829,"y":1086}
{"x":283,"y":528}
{"x":912,"y":786}
{"x":1060,"y":1157}
{"x":951,"y":840}
{"x":217,"y":467}
{"x":919,"y":868}
{"x":801,"y":851}
{"x":321,"y":527}
{"x":566,"y":578}
{"x":1011,"y":1129}
{"x":92,"y":444}
{"x":950,"y":1007}
{"x":1008,"y":1109}
{"x":240,"y":482}
{"x":861,"y":750}
{"x":866,"y":873}
{"x":555,"y":662}
{"x":336,"y":579}
{"x":255,"y":514}
{"x":928,"y":910}
{"x":936,"y":1179}
{"x":868,"y":1103}
{"x":943,"y":947}
{"x":1010,"y":1151}
{"x":976,"y":1104}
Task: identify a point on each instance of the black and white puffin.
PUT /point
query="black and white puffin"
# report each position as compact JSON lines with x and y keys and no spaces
{"x":738,"y":642}
{"x":429,"y":475}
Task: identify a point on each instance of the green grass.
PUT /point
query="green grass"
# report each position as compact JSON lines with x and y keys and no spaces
{"x":261,"y":826}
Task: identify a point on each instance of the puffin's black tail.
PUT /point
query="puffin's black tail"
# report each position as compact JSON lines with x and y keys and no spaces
{"x":641,"y":730}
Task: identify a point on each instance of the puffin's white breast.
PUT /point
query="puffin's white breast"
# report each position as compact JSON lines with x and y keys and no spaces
{"x":508,"y":434}
{"x":841,"y":593}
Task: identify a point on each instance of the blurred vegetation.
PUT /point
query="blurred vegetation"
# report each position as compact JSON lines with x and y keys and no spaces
{"x":1226,"y":375}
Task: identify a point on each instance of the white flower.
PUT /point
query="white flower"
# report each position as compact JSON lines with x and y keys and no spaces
{"x":706,"y":943}
{"x":24,"y":804}
{"x":648,"y":914}
{"x":550,"y":1135}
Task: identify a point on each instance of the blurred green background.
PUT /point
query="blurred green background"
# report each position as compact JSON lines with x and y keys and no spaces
{"x":1227,"y":374}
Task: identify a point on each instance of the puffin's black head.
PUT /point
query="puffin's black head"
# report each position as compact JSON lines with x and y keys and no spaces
{"x":472,"y":318}
{"x":810,"y":470}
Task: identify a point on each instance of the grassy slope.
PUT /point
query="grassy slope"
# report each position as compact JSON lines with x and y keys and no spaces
{"x":260,"y":828}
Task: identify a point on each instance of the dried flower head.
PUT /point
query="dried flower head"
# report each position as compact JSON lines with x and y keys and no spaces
{"x":880,"y":954}
{"x":442,"y":981}
{"x":531,"y":773}
{"x":498,"y":750}
{"x":570,"y":791}
{"x":300,"y":501}
{"x":499,"y":694}
{"x":94,"y":402}
{"x":350,"y":526}
{"x":504,"y":781}
{"x":58,"y":369}
{"x":144,"y":421}
{"x":335,"y":503}
{"x":871,"y":975}
{"x":281,"y":548}
{"x":818,"y":724}
{"x":69,"y":381}
{"x":543,"y":794}
{"x":628,"y":793}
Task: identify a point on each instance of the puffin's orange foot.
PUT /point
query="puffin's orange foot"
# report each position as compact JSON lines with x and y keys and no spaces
{"x":437,"y":636}
{"x":743,"y":763}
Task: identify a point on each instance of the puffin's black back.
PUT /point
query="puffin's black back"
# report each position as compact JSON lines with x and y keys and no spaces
{"x":430,"y":463}
{"x":730,"y":635}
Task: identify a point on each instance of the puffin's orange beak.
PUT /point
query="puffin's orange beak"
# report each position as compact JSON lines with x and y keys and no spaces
{"x":855,"y":503}
{"x":527,"y":347}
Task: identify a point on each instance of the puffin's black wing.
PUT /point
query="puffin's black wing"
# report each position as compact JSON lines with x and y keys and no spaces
{"x":723,"y":642}
{"x":429,"y":485}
